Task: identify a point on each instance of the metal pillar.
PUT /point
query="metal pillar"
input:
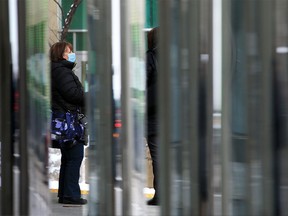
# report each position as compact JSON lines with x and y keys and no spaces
{"x":6,"y":115}
{"x":99,"y":106}
{"x":248,"y":58}
{"x":185,"y":106}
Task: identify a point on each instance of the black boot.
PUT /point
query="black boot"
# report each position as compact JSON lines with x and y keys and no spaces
{"x":79,"y":201}
{"x":153,"y":201}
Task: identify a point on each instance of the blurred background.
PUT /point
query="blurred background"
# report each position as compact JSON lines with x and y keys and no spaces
{"x":223,"y":103}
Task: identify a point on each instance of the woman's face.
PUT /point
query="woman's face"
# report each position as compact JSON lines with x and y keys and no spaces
{"x":66,"y":52}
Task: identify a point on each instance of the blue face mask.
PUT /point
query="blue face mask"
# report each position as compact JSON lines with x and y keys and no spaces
{"x":72,"y":57}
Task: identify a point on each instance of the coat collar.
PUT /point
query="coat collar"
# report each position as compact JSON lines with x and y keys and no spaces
{"x":64,"y":63}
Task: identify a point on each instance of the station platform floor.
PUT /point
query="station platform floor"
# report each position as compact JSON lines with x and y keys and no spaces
{"x":58,"y":209}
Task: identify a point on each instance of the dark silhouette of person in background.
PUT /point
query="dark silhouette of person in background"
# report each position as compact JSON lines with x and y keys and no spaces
{"x":151,"y":107}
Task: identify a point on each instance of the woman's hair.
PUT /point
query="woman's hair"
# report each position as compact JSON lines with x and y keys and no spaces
{"x":57,"y":50}
{"x":152,"y":38}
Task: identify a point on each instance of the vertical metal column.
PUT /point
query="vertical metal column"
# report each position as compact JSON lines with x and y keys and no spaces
{"x":99,"y":105}
{"x":207,"y":153}
{"x":133,"y":105}
{"x":6,"y":188}
{"x":280,"y":146}
{"x":36,"y":101}
{"x":126,"y":110}
{"x":164,"y":113}
{"x":23,"y":147}
{"x":185,"y":106}
{"x":248,"y":161}
{"x":226,"y":109}
{"x":264,"y":130}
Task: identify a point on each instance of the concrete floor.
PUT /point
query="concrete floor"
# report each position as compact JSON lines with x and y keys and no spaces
{"x":82,"y":210}
{"x":65,"y":209}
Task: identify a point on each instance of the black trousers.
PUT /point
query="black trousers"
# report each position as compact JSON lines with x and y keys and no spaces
{"x":70,"y":171}
{"x":153,"y":148}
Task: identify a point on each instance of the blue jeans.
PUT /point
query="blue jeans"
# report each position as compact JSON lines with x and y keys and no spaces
{"x":70,"y":171}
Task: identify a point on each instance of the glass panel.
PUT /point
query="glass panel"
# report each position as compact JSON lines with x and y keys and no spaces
{"x":38,"y":114}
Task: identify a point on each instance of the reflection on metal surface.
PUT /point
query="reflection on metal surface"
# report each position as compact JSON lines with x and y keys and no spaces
{"x":100,"y":109}
{"x":253,"y":107}
{"x":185,"y":87}
{"x":132,"y":105}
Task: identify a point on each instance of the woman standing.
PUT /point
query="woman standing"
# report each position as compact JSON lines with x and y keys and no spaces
{"x":67,"y":94}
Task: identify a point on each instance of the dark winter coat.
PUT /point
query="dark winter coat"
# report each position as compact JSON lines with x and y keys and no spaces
{"x":151,"y":88}
{"x":66,"y":90}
